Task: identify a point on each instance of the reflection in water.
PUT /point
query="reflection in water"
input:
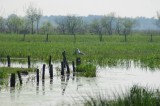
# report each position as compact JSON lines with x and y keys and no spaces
{"x":78,"y":81}
{"x":37,"y":89}
{"x":64,"y":84}
{"x":19,"y":91}
{"x":12,"y":93}
{"x":51,"y":84}
{"x":43,"y":87}
{"x":51,"y":81}
{"x":109,"y":79}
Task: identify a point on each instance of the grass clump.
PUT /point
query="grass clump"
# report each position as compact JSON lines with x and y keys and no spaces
{"x":86,"y":70}
{"x":137,"y":96}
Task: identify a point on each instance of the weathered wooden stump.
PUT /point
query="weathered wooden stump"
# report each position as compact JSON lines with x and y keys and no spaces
{"x":13,"y":80}
{"x":19,"y":77}
{"x":68,"y":70}
{"x":51,"y":71}
{"x":43,"y":72}
{"x":62,"y":68}
{"x":8,"y":61}
{"x":29,"y":62}
{"x":37,"y":76}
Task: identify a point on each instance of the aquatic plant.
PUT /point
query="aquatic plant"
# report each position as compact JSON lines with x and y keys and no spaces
{"x":86,"y":70}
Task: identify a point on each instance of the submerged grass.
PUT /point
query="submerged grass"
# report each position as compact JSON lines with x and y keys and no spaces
{"x":111,"y":49}
{"x":5,"y":72}
{"x":137,"y":96}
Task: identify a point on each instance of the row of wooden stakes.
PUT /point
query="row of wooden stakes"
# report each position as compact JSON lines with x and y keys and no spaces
{"x":64,"y":64}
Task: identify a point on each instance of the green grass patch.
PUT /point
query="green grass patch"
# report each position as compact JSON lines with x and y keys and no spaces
{"x":107,"y":52}
{"x":137,"y":96}
{"x":86,"y":70}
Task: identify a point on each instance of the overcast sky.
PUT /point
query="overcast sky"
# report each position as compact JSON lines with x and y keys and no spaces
{"x":129,"y":8}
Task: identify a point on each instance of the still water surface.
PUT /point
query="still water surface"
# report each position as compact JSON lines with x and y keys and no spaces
{"x":71,"y":90}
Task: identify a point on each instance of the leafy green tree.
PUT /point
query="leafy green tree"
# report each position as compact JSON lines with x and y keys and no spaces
{"x":47,"y":27}
{"x":14,"y":23}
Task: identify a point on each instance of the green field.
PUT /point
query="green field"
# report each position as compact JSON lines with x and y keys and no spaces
{"x":112,"y":48}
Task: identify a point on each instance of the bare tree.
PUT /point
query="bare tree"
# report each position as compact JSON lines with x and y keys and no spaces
{"x":127,"y":26}
{"x":96,"y":28}
{"x":61,"y":25}
{"x":31,"y":14}
{"x":119,"y":25}
{"x":38,"y":15}
{"x":73,"y":23}
{"x":158,"y":19}
{"x":107,"y":22}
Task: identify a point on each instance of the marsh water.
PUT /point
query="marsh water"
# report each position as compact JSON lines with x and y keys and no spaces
{"x":110,"y":80}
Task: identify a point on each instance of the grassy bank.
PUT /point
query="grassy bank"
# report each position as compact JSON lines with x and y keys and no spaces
{"x":112,"y":48}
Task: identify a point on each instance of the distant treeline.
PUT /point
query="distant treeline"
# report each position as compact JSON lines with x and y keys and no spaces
{"x":92,"y":24}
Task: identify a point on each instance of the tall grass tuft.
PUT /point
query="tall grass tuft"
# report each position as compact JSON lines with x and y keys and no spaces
{"x":86,"y":70}
{"x":137,"y":96}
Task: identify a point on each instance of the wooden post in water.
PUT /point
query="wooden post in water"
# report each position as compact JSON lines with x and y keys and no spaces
{"x":64,"y":58}
{"x":13,"y":80}
{"x":51,"y":71}
{"x":78,"y":61}
{"x":37,"y":76}
{"x":9,"y":61}
{"x":62,"y":68}
{"x":43,"y":72}
{"x":50,"y":60}
{"x":74,"y":70}
{"x":19,"y":76}
{"x":68,"y":70}
{"x":29,"y":62}
{"x":73,"y":65}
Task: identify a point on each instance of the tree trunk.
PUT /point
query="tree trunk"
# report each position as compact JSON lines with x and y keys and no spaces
{"x":37,"y":28}
{"x":125,"y":37}
{"x":32,"y":27}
